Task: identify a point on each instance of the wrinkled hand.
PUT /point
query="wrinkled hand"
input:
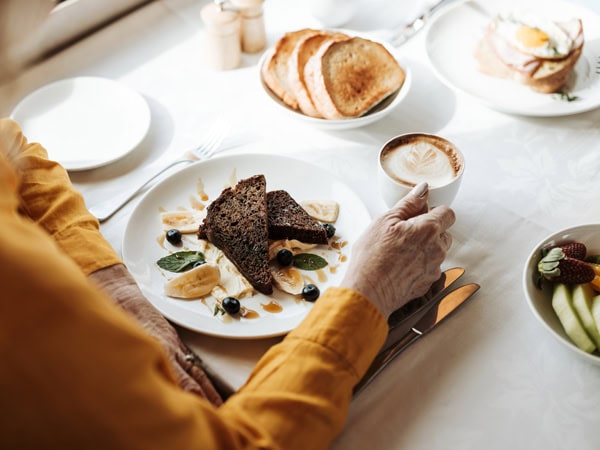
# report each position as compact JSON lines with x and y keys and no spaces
{"x":399,"y":256}
{"x":121,"y":287}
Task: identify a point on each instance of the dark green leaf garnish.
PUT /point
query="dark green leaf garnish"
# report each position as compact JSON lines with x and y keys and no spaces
{"x":180,"y":261}
{"x":309,"y":261}
{"x":565,"y":96}
{"x":218,"y":310}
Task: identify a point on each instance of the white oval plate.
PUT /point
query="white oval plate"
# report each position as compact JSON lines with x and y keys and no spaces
{"x":453,"y":35}
{"x":378,"y":112}
{"x":84,"y":122}
{"x":141,"y":246}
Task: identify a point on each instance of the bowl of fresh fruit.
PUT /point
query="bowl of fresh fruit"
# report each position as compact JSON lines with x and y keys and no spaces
{"x":562,"y":286}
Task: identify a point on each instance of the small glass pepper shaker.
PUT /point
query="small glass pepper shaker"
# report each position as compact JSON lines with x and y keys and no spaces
{"x":252,"y":25}
{"x":223,"y":46}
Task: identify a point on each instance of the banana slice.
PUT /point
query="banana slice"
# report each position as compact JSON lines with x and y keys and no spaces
{"x":322,"y":210}
{"x":194,"y":283}
{"x":288,"y":279}
{"x":293,"y":245}
{"x":185,"y":221}
{"x":232,"y":281}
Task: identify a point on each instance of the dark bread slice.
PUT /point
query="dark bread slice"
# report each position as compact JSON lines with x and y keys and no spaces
{"x":288,"y":220}
{"x":236,"y":222}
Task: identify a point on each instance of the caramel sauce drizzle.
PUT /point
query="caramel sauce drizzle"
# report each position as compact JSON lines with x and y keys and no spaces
{"x":247,"y":313}
{"x":272,"y":307}
{"x":200,"y":190}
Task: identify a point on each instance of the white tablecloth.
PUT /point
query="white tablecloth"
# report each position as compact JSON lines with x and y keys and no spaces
{"x":490,"y":377}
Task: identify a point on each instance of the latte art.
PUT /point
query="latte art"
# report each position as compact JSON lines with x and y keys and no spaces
{"x":410,"y":159}
{"x":419,"y":162}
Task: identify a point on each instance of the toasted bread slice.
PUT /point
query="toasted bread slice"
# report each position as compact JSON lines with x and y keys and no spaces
{"x":288,"y":220}
{"x":236,"y":222}
{"x":303,"y":51}
{"x":275,"y":70}
{"x":542,"y":75}
{"x":347,"y":78}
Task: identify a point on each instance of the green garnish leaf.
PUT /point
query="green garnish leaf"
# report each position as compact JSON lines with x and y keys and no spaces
{"x":309,"y":261}
{"x":180,"y":261}
{"x":565,"y":96}
{"x":218,"y":310}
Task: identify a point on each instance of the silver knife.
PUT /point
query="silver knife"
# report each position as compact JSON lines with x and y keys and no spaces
{"x":430,"y":319}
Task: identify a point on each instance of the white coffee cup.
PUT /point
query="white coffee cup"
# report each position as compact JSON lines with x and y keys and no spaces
{"x":408,"y":159}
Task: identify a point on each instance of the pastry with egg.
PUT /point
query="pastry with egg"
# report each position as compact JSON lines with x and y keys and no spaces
{"x":533,"y":50}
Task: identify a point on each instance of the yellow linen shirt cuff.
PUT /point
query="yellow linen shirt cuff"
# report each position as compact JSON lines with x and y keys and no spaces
{"x":338,"y":321}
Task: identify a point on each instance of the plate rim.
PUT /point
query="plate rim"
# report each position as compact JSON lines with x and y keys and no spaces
{"x":143,"y":116}
{"x":528,"y":111}
{"x":224,"y":159}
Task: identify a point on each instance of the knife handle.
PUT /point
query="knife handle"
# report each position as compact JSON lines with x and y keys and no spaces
{"x":387,"y":356}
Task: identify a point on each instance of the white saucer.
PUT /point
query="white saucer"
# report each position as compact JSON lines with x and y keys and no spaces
{"x":84,"y":122}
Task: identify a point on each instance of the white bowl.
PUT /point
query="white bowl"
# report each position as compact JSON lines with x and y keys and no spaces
{"x":376,"y":113}
{"x":539,"y":300}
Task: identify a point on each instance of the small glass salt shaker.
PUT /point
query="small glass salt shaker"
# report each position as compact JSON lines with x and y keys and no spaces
{"x":253,"y":32}
{"x":223,"y":45}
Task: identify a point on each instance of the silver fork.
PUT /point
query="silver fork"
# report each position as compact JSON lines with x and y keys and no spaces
{"x":211,"y":144}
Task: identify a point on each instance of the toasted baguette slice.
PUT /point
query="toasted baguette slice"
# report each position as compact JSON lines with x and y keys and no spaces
{"x":236,"y":222}
{"x":542,"y":75}
{"x":275,"y":70}
{"x":303,"y":51}
{"x":347,"y":78}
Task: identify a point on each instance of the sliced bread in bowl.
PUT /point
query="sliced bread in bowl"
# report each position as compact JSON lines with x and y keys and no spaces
{"x":275,"y":70}
{"x":346,"y":78}
{"x":303,"y":51}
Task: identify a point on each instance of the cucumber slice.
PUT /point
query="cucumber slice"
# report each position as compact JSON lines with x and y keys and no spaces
{"x":583,"y":295}
{"x":596,"y":310}
{"x":562,"y":303}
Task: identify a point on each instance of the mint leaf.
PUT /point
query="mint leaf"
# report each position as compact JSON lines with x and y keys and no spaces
{"x":218,"y":310}
{"x":180,"y":261}
{"x":309,"y":261}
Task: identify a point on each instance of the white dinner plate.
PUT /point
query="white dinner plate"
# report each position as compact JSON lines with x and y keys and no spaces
{"x":452,"y":37}
{"x":84,"y":122}
{"x":142,"y":245}
{"x":378,"y":112}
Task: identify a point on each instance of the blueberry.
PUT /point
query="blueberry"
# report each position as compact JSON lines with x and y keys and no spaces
{"x":310,"y":292}
{"x":330,"y":229}
{"x":198,"y":264}
{"x":231,"y":305}
{"x":174,"y":236}
{"x":285,"y":257}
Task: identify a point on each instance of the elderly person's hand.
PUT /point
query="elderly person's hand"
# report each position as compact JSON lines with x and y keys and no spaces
{"x":398,"y":257}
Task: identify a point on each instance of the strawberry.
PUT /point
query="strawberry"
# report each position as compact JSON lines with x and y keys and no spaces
{"x":557,"y":266}
{"x":575,"y":250}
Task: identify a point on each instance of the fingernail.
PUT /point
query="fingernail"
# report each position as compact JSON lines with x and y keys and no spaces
{"x":420,"y":190}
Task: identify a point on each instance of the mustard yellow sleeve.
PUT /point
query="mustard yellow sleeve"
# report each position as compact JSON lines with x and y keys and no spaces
{"x":47,"y":196}
{"x":302,"y":387}
{"x":82,"y":374}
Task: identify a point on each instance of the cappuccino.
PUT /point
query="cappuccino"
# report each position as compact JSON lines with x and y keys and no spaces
{"x":416,"y":158}
{"x":410,"y":159}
